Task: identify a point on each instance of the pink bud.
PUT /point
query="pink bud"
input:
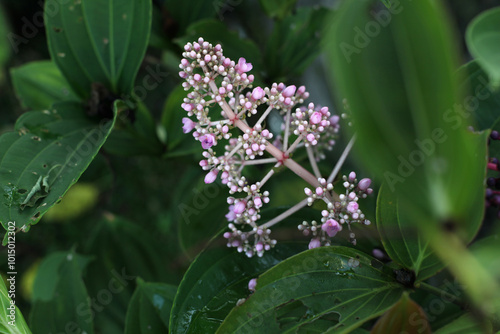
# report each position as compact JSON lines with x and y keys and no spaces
{"x":315,"y":243}
{"x":352,"y":207}
{"x":289,"y":91}
{"x":203,"y":163}
{"x":257,"y":93}
{"x":259,"y":246}
{"x":315,"y":118}
{"x":310,"y":137}
{"x":252,"y":284}
{"x":255,"y":147}
{"x":188,"y":126}
{"x":364,"y":183}
{"x":227,"y":235}
{"x":352,"y":176}
{"x":265,"y":133}
{"x":211,"y":176}
{"x":240,"y":207}
{"x":257,"y":202}
{"x":319,"y":191}
{"x":187,"y":106}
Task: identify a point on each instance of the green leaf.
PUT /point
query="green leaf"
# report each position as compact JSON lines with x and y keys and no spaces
{"x":66,"y":307}
{"x":402,"y":241}
{"x":95,"y":42}
{"x":405,"y":316}
{"x":295,"y":42}
{"x":40,"y":84}
{"x":279,"y":9}
{"x":11,"y":319}
{"x":123,"y":251}
{"x":406,"y":124}
{"x":481,"y":101}
{"x":466,"y":324}
{"x":483,"y":40}
{"x":149,"y":308}
{"x":326,"y":289}
{"x":214,"y":283}
{"x":187,"y":12}
{"x":44,"y":157}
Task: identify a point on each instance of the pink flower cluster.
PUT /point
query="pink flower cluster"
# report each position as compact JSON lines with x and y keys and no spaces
{"x":345,"y":211}
{"x":225,"y":111}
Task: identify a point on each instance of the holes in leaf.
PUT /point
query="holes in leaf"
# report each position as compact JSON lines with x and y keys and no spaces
{"x":449,"y":225}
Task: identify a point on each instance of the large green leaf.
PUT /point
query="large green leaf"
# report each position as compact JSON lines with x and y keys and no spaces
{"x":149,"y":308}
{"x":400,"y":95}
{"x":123,"y":251}
{"x":295,"y":42}
{"x":91,"y":41}
{"x":214,"y":283}
{"x":46,"y":156}
{"x":64,"y":304}
{"x":483,"y":41}
{"x":481,"y":101}
{"x":327,"y":289}
{"x":402,"y":241}
{"x":40,"y":84}
{"x":11,"y":319}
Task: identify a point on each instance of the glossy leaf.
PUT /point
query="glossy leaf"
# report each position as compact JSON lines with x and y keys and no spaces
{"x":405,"y":123}
{"x":214,"y":283}
{"x":481,"y":102}
{"x":11,"y":319}
{"x":94,"y":42}
{"x":149,"y":308}
{"x":295,"y":42}
{"x":483,"y":41}
{"x":40,"y":84}
{"x":278,"y":9}
{"x":44,"y":158}
{"x":402,"y":241}
{"x":65,"y":305}
{"x":326,"y":290}
{"x":405,"y":316}
{"x":123,"y":251}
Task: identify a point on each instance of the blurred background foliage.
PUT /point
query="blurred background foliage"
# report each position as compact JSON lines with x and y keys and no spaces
{"x":151,"y":213}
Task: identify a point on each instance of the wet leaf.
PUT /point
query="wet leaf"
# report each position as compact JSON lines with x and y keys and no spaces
{"x":331,"y":289}
{"x":44,"y":158}
{"x":214,"y":283}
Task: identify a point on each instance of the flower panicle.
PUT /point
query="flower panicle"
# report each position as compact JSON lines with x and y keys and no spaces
{"x":220,"y":99}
